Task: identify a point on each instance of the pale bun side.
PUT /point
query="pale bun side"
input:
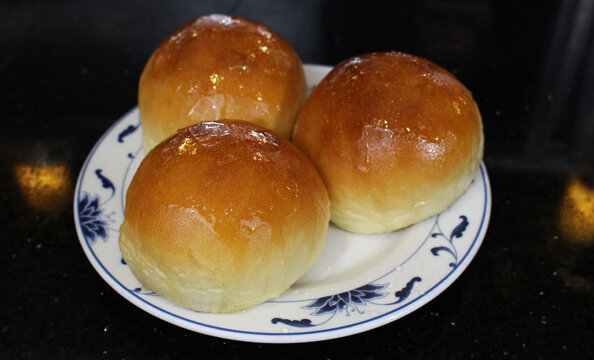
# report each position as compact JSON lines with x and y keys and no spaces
{"x":217,"y":67}
{"x":223,"y":216}
{"x":396,"y":139}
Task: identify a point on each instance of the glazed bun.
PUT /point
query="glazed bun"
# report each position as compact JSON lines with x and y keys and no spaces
{"x":219,"y":67}
{"x":396,"y":139}
{"x":223,"y":216}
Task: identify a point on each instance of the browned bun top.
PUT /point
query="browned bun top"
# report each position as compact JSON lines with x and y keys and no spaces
{"x":216,"y":67}
{"x":236,"y":209}
{"x":391,"y":135}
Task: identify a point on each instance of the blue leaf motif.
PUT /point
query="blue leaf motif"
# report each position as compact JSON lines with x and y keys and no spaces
{"x":357,"y":298}
{"x":404,"y":293}
{"x":141,"y":292}
{"x":105,"y":182}
{"x":344,"y":299}
{"x":296,"y":323}
{"x":327,"y":304}
{"x":337,"y":303}
{"x":435,"y":251}
{"x":127,"y":131}
{"x":319,"y":302}
{"x":90,"y":218}
{"x":459,"y":230}
{"x":369,"y":289}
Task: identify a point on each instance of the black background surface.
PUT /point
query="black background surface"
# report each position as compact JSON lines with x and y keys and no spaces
{"x":69,"y":69}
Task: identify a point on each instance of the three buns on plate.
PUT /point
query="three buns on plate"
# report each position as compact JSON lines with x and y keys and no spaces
{"x":224,"y":214}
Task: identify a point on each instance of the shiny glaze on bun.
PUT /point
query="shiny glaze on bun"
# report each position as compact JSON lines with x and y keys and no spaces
{"x":217,"y":67}
{"x":396,"y":138}
{"x":223,"y":216}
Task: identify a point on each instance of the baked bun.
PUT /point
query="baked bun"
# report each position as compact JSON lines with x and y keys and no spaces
{"x":223,"y":216}
{"x":396,"y":139}
{"x":219,"y":67}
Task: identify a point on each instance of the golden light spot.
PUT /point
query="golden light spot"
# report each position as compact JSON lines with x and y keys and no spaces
{"x":383,"y":123}
{"x":576,"y":216}
{"x":187,"y":146}
{"x":44,"y":187}
{"x":193,"y":88}
{"x":258,"y":156}
{"x":182,"y":147}
{"x":456,"y":106}
{"x":259,"y":96}
{"x":215,"y":79}
{"x":264,"y":49}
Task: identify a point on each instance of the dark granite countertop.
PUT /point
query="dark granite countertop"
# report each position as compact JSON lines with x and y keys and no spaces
{"x":70,"y":69}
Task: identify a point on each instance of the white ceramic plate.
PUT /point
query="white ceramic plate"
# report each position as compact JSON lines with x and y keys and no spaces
{"x":359,"y":282}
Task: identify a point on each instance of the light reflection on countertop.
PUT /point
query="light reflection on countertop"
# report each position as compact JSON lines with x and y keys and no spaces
{"x":44,"y":187}
{"x":576,"y":214}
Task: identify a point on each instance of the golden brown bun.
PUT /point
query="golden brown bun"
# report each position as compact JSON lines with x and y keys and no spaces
{"x":220,"y":67}
{"x":396,"y":139}
{"x":223,"y":216}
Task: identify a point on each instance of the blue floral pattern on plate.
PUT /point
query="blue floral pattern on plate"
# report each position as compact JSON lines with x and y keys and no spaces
{"x":348,"y":302}
{"x":355,"y":299}
{"x":456,"y":233}
{"x":90,"y":215}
